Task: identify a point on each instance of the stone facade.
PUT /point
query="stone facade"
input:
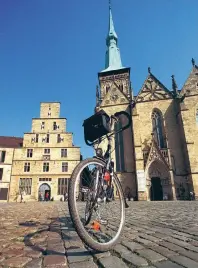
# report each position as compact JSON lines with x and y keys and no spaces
{"x":115,"y":96}
{"x":160,"y":150}
{"x":47,"y":158}
{"x":156,"y":158}
{"x":7,"y":145}
{"x":6,"y":157}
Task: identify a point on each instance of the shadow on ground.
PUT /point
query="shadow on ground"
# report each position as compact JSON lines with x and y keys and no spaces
{"x":63,"y":227}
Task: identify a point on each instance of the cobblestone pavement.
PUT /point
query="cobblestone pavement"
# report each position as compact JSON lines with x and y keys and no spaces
{"x":157,"y":234}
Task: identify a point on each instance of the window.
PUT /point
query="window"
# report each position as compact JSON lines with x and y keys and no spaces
{"x":29,"y":152}
{"x":58,"y":138}
{"x":37,"y":136}
{"x":119,"y":148}
{"x":25,"y":184}
{"x":45,"y":167}
{"x":42,"y":125}
{"x":63,"y":185}
{"x":54,"y":126}
{"x":107,"y":88}
{"x":47,"y":138}
{"x":1,"y":174}
{"x":45,"y":179}
{"x":158,"y":130}
{"x":2,"y":156}
{"x":47,"y":151}
{"x":63,"y":152}
{"x":3,"y":193}
{"x":197,"y":116}
{"x":64,"y":167}
{"x":27,"y":167}
{"x":121,"y":87}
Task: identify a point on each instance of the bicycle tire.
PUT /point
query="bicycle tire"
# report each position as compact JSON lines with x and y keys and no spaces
{"x":91,"y":243}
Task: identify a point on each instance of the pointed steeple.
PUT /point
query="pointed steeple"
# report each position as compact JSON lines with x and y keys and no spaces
{"x":112,"y":58}
{"x":111,"y":32}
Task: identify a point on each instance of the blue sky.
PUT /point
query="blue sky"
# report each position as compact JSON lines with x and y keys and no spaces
{"x":52,"y":51}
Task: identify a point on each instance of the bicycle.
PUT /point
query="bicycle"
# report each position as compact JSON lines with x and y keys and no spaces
{"x":100,"y":186}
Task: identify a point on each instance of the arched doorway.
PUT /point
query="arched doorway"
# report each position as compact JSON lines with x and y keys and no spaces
{"x":159,"y":185}
{"x":156,"y":189}
{"x":44,"y":193}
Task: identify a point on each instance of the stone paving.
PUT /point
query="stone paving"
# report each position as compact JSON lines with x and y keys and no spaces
{"x":156,"y":235}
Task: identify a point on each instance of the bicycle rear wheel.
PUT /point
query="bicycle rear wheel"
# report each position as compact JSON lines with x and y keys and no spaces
{"x":97,"y":220}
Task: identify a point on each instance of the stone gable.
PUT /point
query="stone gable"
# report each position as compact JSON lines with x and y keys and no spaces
{"x":114,"y":96}
{"x":191,"y":85}
{"x":153,"y":89}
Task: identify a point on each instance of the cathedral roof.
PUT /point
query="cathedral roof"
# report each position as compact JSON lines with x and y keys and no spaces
{"x":191,"y":85}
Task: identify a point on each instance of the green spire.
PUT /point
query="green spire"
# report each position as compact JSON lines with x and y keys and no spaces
{"x":112,"y":59}
{"x":111,"y":33}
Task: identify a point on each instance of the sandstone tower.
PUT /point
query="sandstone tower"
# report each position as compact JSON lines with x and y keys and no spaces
{"x":114,"y":95}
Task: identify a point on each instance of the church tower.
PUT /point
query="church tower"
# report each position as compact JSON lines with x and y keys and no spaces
{"x":114,"y":95}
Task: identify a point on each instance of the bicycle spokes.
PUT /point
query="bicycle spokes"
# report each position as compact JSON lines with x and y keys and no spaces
{"x":99,"y":211}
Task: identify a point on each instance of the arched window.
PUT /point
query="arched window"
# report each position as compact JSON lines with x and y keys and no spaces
{"x":158,"y":129}
{"x":121,"y":87}
{"x":119,"y":148}
{"x":196,"y":116}
{"x":107,"y":88}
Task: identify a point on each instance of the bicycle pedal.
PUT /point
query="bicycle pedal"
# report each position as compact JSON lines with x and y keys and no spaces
{"x":96,"y":226}
{"x":104,"y":222}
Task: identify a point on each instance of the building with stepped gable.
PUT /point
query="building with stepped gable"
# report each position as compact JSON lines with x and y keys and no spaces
{"x":45,"y":162}
{"x":156,"y":159}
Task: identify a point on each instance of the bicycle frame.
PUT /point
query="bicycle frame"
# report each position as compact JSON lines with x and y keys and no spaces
{"x":108,"y":163}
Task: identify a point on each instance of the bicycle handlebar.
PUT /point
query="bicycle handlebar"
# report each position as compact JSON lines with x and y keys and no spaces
{"x":128,"y":117}
{"x":115,"y":117}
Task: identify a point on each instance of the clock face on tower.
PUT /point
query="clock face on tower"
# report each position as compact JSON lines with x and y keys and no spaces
{"x":114,"y":97}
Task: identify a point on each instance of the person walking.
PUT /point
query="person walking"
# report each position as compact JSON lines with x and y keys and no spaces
{"x":22,"y":196}
{"x":47,"y":196}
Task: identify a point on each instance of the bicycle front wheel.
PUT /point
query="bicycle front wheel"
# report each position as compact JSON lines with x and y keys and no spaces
{"x":97,"y":210}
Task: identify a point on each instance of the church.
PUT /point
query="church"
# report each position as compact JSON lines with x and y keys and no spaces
{"x":156,"y":159}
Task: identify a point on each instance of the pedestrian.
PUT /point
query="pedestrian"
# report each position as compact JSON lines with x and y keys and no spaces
{"x":129,"y":196}
{"x":65,"y":196}
{"x":47,"y":196}
{"x":192,"y":194}
{"x":40,"y":197}
{"x":22,"y":196}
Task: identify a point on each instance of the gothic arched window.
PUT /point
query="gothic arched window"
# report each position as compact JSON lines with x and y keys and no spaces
{"x":197,"y":116}
{"x":158,"y":130}
{"x":119,"y":148}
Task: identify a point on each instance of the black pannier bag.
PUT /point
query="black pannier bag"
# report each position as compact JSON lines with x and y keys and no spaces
{"x":96,"y":126}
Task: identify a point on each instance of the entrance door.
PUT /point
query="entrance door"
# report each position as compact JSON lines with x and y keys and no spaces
{"x":3,"y":193}
{"x":44,"y":193}
{"x":156,"y":189}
